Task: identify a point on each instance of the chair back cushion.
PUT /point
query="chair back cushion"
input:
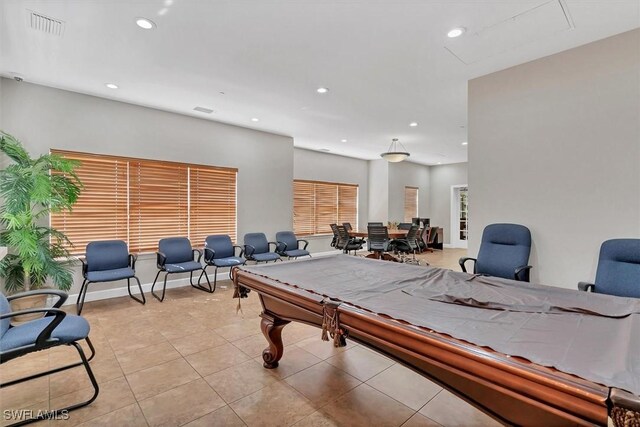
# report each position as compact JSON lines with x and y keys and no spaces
{"x":221,"y":245}
{"x":404,"y":226}
{"x":4,"y":309}
{"x":504,"y":248}
{"x":347,"y":226}
{"x":377,"y":237}
{"x":619,"y":268}
{"x":107,"y":255}
{"x":176,"y":249}
{"x":258,"y":241}
{"x":289,"y":238}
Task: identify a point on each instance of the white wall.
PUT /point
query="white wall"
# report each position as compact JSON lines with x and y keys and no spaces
{"x":442,"y":178}
{"x":554,"y":144}
{"x":378,"y":177}
{"x":407,"y":174}
{"x":313,"y":165}
{"x":44,"y":118}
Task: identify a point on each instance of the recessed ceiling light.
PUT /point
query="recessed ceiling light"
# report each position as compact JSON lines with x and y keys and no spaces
{"x":322,"y":90}
{"x":456,"y":32}
{"x":203,"y":110}
{"x":255,"y":119}
{"x":465,"y":143}
{"x":326,"y":150}
{"x":439,"y":163}
{"x":145,"y":24}
{"x":413,"y":124}
{"x":343,"y":140}
{"x":111,"y":85}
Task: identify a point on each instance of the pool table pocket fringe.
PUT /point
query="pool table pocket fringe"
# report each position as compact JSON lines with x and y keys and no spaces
{"x":331,"y":324}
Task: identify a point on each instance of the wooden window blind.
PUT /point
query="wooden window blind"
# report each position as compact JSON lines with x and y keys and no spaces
{"x":317,"y":204}
{"x":142,"y":201}
{"x":410,"y":203}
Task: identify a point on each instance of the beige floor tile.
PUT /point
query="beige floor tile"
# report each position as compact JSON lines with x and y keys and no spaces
{"x":24,"y":366}
{"x":322,"y":383}
{"x":240,"y":329}
{"x":360,"y":362}
{"x":113,"y":395}
{"x":195,"y":343}
{"x":175,"y":330}
{"x":130,"y":416}
{"x":160,"y":378}
{"x":252,"y":346}
{"x":181,"y":405}
{"x":68,"y":381}
{"x":216,"y":359}
{"x":405,"y":386}
{"x":22,"y":413}
{"x":294,"y":360}
{"x":450,"y":411}
{"x":366,"y":406}
{"x":419,"y":420}
{"x":318,"y":419}
{"x":147,"y":357}
{"x":296,"y":332}
{"x":20,"y":396}
{"x":275,"y":405}
{"x":240,"y":380}
{"x":135,"y":340}
{"x":223,"y":417}
{"x":322,"y":349}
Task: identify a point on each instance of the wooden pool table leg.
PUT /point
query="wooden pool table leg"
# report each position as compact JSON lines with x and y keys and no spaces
{"x":272,"y":330}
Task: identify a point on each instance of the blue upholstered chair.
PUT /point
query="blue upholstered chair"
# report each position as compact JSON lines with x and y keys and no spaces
{"x":618,"y":269}
{"x":220,"y":252}
{"x":54,"y":329}
{"x":175,"y":255}
{"x":504,"y":252}
{"x":287,"y":244}
{"x":108,"y":261}
{"x":257,"y":248}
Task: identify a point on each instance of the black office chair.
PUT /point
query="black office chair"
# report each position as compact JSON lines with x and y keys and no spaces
{"x":423,"y":239}
{"x":258,"y":249}
{"x":407,"y":245}
{"x":378,"y":240}
{"x":404,"y":226}
{"x":377,"y":224}
{"x":108,"y":261}
{"x":347,"y":243}
{"x":336,"y":236}
{"x":175,"y":255}
{"x":348,"y":227}
{"x":56,"y":328}
{"x":220,"y":252}
{"x":504,"y":252}
{"x":618,"y":269}
{"x":289,"y":245}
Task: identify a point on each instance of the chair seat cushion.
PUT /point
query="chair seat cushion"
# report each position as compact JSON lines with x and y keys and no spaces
{"x":227,"y":262}
{"x":182,"y":267}
{"x":267,"y":256}
{"x":72,"y":328}
{"x":110,"y":275}
{"x":294,"y":253}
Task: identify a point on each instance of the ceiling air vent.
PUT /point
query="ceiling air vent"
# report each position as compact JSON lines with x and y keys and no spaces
{"x":204,"y":110}
{"x":39,"y":22}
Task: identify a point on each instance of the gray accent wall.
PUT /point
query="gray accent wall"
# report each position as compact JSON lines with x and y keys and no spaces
{"x":43,"y":118}
{"x":407,"y":174}
{"x":554,"y":144}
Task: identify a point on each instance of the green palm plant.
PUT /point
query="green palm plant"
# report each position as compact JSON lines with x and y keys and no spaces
{"x":31,"y":189}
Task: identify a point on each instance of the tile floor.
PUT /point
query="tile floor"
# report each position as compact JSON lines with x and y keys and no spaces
{"x":192,"y":361}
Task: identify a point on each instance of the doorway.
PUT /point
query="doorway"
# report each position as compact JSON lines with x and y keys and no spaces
{"x":459,"y":216}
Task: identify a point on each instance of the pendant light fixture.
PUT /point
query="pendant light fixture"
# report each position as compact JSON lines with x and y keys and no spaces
{"x":394,"y":154}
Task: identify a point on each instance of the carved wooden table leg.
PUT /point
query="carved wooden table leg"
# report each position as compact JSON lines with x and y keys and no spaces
{"x":272,"y":330}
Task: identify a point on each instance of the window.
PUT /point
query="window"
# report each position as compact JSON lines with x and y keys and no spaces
{"x":317,"y":204}
{"x":141,"y":201}
{"x":410,"y":203}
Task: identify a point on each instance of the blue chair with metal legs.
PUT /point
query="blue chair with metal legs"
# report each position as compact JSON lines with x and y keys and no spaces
{"x":108,"y":261}
{"x":220,"y":252}
{"x":175,"y":255}
{"x":258,"y":249}
{"x":289,"y":245}
{"x":54,"y":329}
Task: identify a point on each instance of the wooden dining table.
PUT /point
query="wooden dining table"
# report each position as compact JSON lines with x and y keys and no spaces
{"x":394,"y":233}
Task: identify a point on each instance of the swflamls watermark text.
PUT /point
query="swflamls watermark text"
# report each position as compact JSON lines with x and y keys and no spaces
{"x":26,"y":414}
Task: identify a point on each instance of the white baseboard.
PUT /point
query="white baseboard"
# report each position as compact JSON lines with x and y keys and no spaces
{"x":448,"y":245}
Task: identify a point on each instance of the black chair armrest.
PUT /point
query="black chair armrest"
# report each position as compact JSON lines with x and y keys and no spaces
{"x":462,"y":262}
{"x":306,"y":243}
{"x":62,"y":296}
{"x":83,"y":260}
{"x":209,"y":254}
{"x":281,"y":247}
{"x":522,"y":273}
{"x":249,"y":250}
{"x":132,"y":261}
{"x":161,"y":260}
{"x":197,"y":251}
{"x":46,"y":332}
{"x":275,"y":246}
{"x":586,"y":286}
{"x":238,"y":247}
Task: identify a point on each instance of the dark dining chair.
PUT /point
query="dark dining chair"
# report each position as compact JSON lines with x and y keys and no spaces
{"x":56,"y":328}
{"x":347,"y":243}
{"x":407,"y":245}
{"x":404,"y":226}
{"x":108,"y":261}
{"x":504,"y":252}
{"x":289,"y":245}
{"x":349,"y":228}
{"x":175,"y":255}
{"x":257,"y":248}
{"x":336,"y":235}
{"x":618,"y":270}
{"x":220,"y":252}
{"x":378,"y":224}
{"x":378,"y":240}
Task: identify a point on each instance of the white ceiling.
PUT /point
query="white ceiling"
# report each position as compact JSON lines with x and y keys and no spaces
{"x":386,"y":62}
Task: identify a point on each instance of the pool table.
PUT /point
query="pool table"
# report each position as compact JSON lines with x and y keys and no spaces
{"x":509,"y":387}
